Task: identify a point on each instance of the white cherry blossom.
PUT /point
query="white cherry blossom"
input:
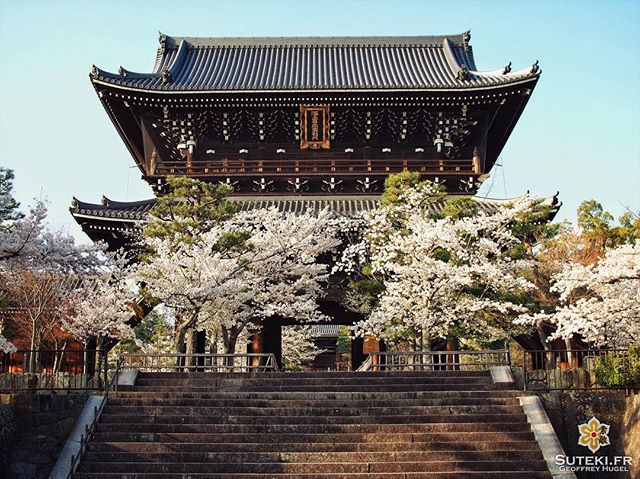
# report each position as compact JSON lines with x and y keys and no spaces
{"x":599,"y":303}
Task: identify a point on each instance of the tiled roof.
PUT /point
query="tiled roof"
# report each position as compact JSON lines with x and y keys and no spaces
{"x":116,"y":210}
{"x":325,"y":330}
{"x":341,"y":205}
{"x":314,"y":63}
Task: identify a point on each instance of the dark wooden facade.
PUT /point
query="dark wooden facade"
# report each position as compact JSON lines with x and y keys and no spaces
{"x":245,"y":112}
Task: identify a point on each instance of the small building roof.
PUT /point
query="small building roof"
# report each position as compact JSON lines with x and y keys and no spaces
{"x":314,"y":63}
{"x":115,"y":210}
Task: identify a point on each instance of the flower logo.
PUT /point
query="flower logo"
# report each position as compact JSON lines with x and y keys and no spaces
{"x":593,"y":434}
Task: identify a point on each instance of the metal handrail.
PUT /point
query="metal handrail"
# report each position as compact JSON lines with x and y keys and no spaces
{"x":90,"y":428}
{"x":366,"y":365}
{"x":202,"y":362}
{"x":435,"y":360}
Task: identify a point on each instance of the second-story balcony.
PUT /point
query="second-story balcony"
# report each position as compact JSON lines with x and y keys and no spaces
{"x":294,"y":166}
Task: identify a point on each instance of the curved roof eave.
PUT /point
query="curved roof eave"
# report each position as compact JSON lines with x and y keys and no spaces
{"x":529,"y":79}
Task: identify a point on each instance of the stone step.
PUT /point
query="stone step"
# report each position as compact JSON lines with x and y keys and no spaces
{"x":305,"y":396}
{"x":276,"y":382}
{"x":309,"y":419}
{"x":327,"y":467}
{"x":286,"y":437}
{"x":315,"y":428}
{"x":377,"y":475}
{"x":460,"y":445}
{"x":316,"y":425}
{"x":310,"y":374}
{"x":214,"y":400}
{"x":389,"y":387}
{"x":314,"y":457}
{"x":130,"y":412}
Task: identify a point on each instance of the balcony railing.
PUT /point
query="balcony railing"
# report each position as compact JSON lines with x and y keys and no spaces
{"x":296,"y":166}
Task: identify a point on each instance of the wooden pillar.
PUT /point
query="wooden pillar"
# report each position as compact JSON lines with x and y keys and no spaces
{"x":272,"y":331}
{"x":200,"y":340}
{"x":90,"y":357}
{"x":254,"y":346}
{"x":476,"y":161}
{"x":452,"y":345}
{"x":189,"y":161}
{"x":267,"y":340}
{"x":371,"y":345}
{"x":357,"y":354}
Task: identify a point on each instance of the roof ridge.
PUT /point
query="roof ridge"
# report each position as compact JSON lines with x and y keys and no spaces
{"x":168,"y":41}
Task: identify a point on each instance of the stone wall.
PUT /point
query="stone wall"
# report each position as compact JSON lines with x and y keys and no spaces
{"x":7,"y":436}
{"x":631,"y":436}
{"x":568,"y":409}
{"x":43,"y":423}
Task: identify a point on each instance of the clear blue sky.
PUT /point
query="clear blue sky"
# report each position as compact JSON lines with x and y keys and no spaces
{"x":579,"y":134}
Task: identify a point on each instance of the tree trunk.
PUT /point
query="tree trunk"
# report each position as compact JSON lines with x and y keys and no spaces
{"x":542,"y":334}
{"x":190,"y":343}
{"x":229,"y":340}
{"x":101,"y":363}
{"x":32,"y":353}
{"x":571,"y":359}
{"x":213,"y":343}
{"x":180,"y":346}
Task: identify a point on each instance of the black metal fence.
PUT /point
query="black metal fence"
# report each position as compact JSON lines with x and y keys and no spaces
{"x":179,"y":362}
{"x":435,"y":360}
{"x":578,"y":369}
{"x":75,"y":369}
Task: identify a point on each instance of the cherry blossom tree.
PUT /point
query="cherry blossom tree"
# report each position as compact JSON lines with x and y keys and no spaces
{"x":40,"y":268}
{"x":440,"y":275}
{"x":583,"y":247}
{"x":242,"y":271}
{"x":102,"y":307}
{"x":5,"y":345}
{"x":40,"y":300}
{"x":599,"y":303}
{"x":27,"y":243}
{"x":298,"y":347}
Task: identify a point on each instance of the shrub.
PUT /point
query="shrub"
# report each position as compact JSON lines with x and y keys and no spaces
{"x":619,"y":370}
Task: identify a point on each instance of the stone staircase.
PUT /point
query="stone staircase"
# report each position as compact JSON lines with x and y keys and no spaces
{"x":332,"y":425}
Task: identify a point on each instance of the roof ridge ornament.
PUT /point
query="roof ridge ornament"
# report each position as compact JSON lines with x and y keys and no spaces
{"x":463,"y":73}
{"x":166,"y":76}
{"x":121,"y":71}
{"x":94,"y":71}
{"x":162,"y":39}
{"x":507,"y":69}
{"x":466,"y":38}
{"x":535,"y":68}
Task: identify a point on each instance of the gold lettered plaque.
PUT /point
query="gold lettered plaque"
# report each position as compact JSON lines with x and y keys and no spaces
{"x":314,"y":127}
